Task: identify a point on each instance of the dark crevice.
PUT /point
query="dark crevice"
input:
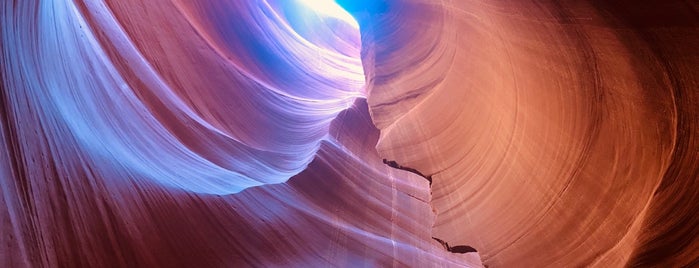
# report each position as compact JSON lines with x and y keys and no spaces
{"x":456,"y":249}
{"x":394,"y":164}
{"x":461,"y":249}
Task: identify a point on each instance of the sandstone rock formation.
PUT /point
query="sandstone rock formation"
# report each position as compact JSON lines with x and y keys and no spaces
{"x":457,"y":133}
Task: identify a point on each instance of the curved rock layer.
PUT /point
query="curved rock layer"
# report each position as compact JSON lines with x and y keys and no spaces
{"x":186,"y":81}
{"x":555,"y":133}
{"x":236,"y":133}
{"x":120,"y":119}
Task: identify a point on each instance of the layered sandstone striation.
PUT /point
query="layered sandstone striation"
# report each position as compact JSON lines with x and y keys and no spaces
{"x":451,"y":133}
{"x":553,"y":132}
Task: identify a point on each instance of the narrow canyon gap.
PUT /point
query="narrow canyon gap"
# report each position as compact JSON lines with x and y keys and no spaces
{"x":420,"y":133}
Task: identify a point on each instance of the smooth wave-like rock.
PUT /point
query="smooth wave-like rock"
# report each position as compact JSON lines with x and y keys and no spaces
{"x":442,"y":133}
{"x":554,"y":133}
{"x":227,"y":92}
{"x":126,"y":124}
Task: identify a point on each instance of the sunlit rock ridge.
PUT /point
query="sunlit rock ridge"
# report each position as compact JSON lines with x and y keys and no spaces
{"x":419,"y":133}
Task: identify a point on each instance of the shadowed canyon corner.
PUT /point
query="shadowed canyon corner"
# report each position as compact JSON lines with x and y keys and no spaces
{"x":367,"y":133}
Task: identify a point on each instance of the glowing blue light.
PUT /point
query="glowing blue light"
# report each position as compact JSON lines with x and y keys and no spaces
{"x":329,"y":8}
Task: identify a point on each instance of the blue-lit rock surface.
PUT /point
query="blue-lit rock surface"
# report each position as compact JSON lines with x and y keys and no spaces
{"x":284,"y":133}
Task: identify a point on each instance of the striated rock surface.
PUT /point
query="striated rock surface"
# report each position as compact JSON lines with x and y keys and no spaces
{"x":132,"y":132}
{"x":555,"y":134}
{"x":427,"y":133}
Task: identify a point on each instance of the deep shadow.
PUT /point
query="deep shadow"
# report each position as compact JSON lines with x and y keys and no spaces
{"x":456,"y":249}
{"x":394,"y":164}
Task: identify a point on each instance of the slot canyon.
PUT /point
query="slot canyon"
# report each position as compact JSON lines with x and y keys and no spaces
{"x":356,"y":133}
